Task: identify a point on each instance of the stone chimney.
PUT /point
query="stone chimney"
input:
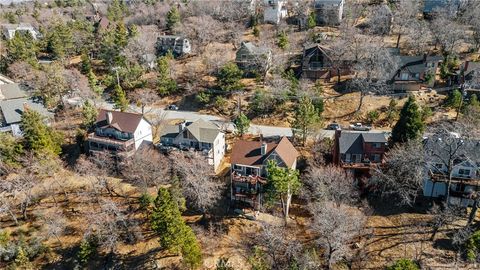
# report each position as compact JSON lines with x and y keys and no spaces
{"x":263,"y":149}
{"x":109,"y":117}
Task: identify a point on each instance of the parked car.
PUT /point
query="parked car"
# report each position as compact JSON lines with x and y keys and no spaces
{"x":360,"y":127}
{"x":334,"y":126}
{"x":172,"y":107}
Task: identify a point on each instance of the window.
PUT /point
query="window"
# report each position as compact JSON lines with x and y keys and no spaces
{"x":237,"y":168}
{"x":404,"y":76}
{"x":185,"y":135}
{"x":464,"y":172}
{"x":376,"y":145}
{"x":347,"y":157}
{"x":439,"y":166}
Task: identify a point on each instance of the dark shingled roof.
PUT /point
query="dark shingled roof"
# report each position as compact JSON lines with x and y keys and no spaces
{"x":249,"y":152}
{"x":122,"y":121}
{"x":351,"y":141}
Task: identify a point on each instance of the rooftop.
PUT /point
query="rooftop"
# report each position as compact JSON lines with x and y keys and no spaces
{"x":249,"y":152}
{"x":121,"y":121}
{"x":352,"y":141}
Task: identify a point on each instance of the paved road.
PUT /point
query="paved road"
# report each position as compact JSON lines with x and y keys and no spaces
{"x":267,"y":131}
{"x":225,"y":124}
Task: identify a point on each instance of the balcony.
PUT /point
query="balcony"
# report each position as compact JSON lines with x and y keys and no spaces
{"x":443,"y":177}
{"x":251,"y":179}
{"x":110,"y":143}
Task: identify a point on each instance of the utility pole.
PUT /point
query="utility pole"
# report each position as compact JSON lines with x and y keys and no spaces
{"x":116,"y":72}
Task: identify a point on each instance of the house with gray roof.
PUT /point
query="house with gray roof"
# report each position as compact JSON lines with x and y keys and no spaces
{"x":328,"y":12}
{"x":431,"y":7}
{"x":178,"y":45}
{"x":200,"y":135}
{"x":253,"y":59}
{"x":13,"y":102}
{"x":358,"y":150}
{"x":415,"y":72}
{"x":9,"y":30}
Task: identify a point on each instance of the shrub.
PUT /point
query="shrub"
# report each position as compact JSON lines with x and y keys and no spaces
{"x":88,"y":247}
{"x":404,"y":264}
{"x":202,"y":97}
{"x":473,"y":246}
{"x":145,"y":201}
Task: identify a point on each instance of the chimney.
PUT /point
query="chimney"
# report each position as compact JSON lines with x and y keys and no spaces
{"x":263,"y":149}
{"x":109,"y":117}
{"x":181,"y":127}
{"x":336,"y":147}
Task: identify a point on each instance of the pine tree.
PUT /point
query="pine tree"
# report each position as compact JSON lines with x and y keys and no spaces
{"x":173,"y":18}
{"x":306,"y":116}
{"x":311,"y":21}
{"x":10,"y":149}
{"x":166,"y":85}
{"x":60,"y":40}
{"x":474,"y":101}
{"x":174,"y":234}
{"x":120,"y":99}
{"x":22,"y":47}
{"x":282,"y":40}
{"x":116,"y":11}
{"x":229,"y":76}
{"x":93,"y":83}
{"x":410,"y":125}
{"x":242,"y":124}
{"x":39,"y":138}
{"x":89,"y":114}
{"x":283,"y":183}
{"x":121,"y":35}
{"x":86,"y":66}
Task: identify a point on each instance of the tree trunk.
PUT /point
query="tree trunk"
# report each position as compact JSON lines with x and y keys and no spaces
{"x":360,"y":103}
{"x":287,"y":206}
{"x":473,"y":213}
{"x":450,"y":171}
{"x":338,"y":75}
{"x":398,"y":40}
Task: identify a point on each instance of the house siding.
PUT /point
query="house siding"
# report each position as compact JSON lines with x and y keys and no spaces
{"x":143,"y":133}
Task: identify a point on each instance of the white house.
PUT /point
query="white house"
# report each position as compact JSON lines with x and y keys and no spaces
{"x":274,"y":11}
{"x":9,"y":30}
{"x":465,"y":173}
{"x":121,"y":132}
{"x":199,"y":135}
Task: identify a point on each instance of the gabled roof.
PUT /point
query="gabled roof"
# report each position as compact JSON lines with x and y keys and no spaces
{"x":11,"y":91}
{"x":122,"y":121}
{"x":203,"y":131}
{"x":253,"y":49}
{"x":311,"y":50}
{"x":416,"y":64}
{"x":249,"y":152}
{"x":12,"y":109}
{"x":352,"y":141}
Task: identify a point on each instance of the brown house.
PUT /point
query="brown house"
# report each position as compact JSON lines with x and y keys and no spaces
{"x":248,"y":170}
{"x":317,"y":63}
{"x":358,"y":150}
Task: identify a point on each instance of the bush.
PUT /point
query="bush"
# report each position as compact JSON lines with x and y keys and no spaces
{"x":372,"y":116}
{"x":404,"y":264}
{"x":221,"y":103}
{"x":202,"y":97}
{"x":145,"y":201}
{"x":473,"y":246}
{"x":88,"y":247}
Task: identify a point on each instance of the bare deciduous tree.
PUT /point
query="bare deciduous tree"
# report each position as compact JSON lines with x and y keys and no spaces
{"x":54,"y":223}
{"x":336,"y":228}
{"x":330,"y":183}
{"x":144,"y":98}
{"x":199,"y":185}
{"x":403,"y":173}
{"x":147,"y":168}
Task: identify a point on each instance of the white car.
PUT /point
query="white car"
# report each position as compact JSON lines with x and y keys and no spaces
{"x":360,"y":127}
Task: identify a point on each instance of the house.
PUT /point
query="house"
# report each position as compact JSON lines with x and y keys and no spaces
{"x":465,"y":173}
{"x":317,"y":63}
{"x":431,"y":7}
{"x":415,"y":72}
{"x":274,"y":11}
{"x":199,"y":135}
{"x":248,"y":167}
{"x":9,"y":30}
{"x":178,"y":45}
{"x":328,"y":12}
{"x":468,"y":76}
{"x":253,"y":59}
{"x":13,"y":102}
{"x":119,"y":132}
{"x":357,"y":151}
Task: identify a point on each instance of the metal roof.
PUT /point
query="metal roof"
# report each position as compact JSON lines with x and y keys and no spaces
{"x":12,"y":109}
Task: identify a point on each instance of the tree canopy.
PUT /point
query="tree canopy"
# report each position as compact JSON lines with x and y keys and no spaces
{"x":410,"y":125}
{"x":39,"y":138}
